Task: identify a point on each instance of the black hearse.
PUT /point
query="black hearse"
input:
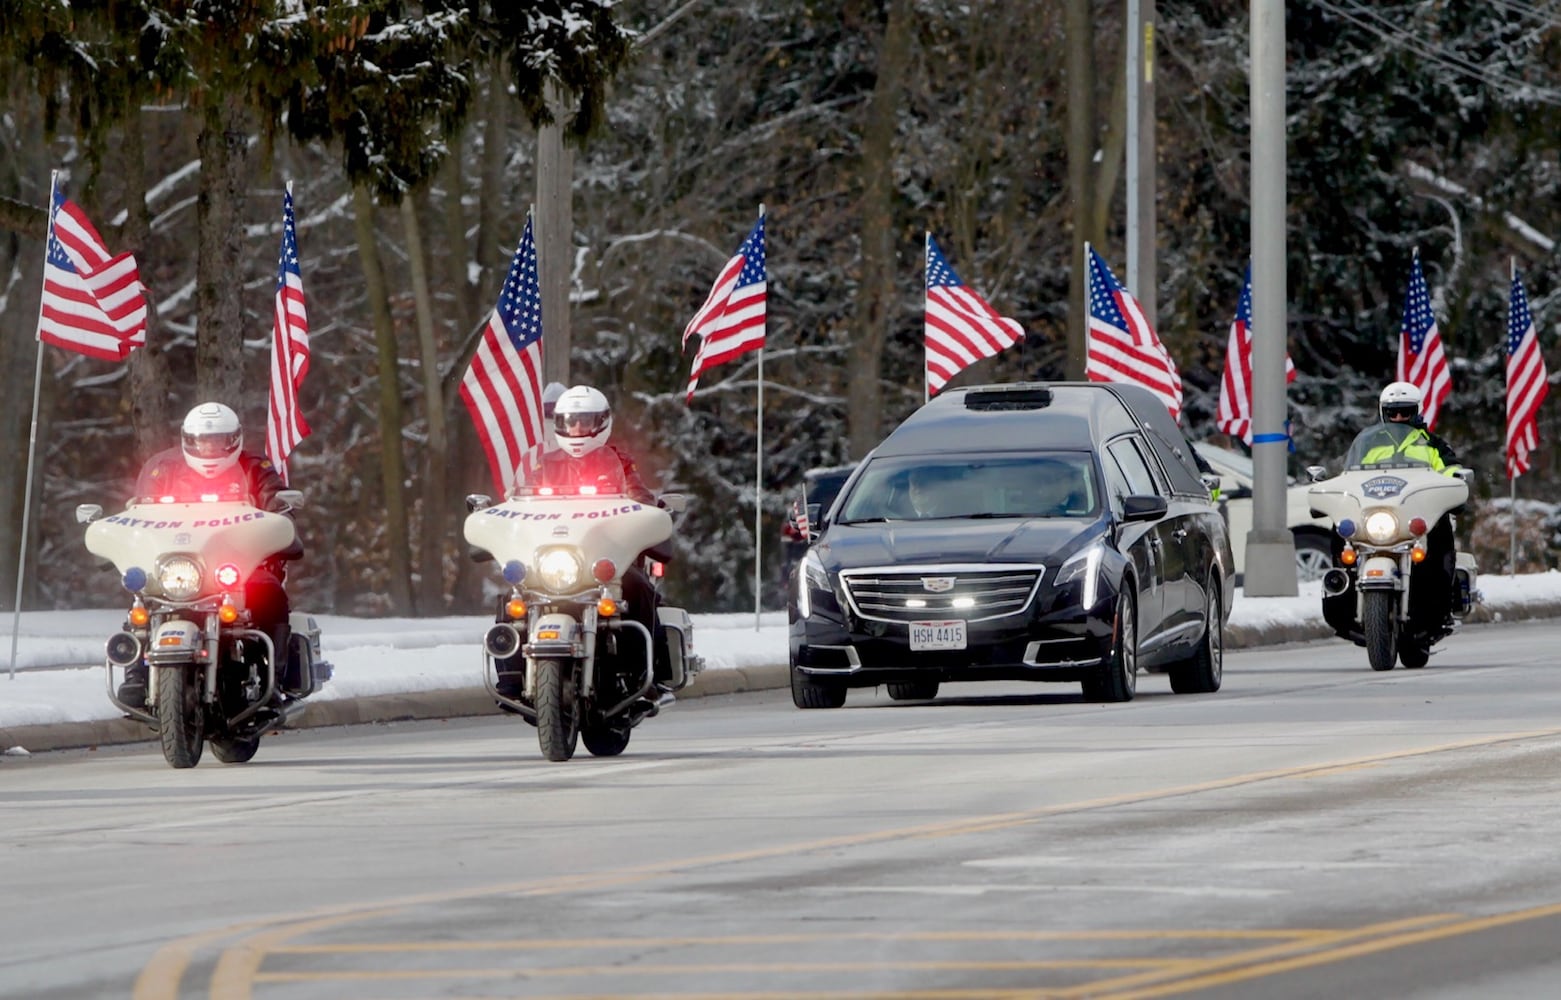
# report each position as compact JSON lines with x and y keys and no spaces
{"x":1047,"y":532}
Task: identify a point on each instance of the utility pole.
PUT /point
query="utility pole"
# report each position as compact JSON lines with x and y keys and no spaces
{"x":555,"y":236}
{"x":1270,"y":562}
{"x":1141,"y":158}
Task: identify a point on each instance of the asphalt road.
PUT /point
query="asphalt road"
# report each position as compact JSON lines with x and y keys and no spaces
{"x":1314,"y":829}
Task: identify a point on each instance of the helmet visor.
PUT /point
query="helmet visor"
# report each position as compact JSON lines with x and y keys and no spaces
{"x":1399,"y":411}
{"x":580,"y":424}
{"x":212,"y":445}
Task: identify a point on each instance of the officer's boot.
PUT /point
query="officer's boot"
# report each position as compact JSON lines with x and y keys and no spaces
{"x":133,"y":690}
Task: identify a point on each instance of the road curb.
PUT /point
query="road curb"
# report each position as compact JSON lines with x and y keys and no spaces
{"x":449,"y":703}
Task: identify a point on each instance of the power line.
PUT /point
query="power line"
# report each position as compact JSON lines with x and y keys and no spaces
{"x":1457,"y":64}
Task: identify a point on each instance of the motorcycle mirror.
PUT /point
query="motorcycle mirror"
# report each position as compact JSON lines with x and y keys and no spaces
{"x":477,"y":501}
{"x":1467,"y":475}
{"x":86,"y":513}
{"x":677,"y":503}
{"x":1317,"y":473}
{"x":293,"y":498}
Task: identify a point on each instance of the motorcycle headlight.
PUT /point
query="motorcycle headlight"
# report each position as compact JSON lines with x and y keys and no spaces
{"x":810,"y":577}
{"x":1083,"y":567}
{"x":1381,"y":526}
{"x":560,"y":570}
{"x":179,"y":578}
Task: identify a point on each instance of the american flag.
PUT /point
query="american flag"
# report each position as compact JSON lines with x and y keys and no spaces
{"x":1526,"y":385}
{"x":92,"y":303}
{"x":1420,"y":357}
{"x":503,"y":386}
{"x":1122,"y":345}
{"x":961,"y":328}
{"x":731,"y":322}
{"x":1234,"y":415}
{"x":285,"y":425}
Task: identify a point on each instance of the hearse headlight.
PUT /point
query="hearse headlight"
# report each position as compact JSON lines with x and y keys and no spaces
{"x":1083,"y":568}
{"x":810,"y":577}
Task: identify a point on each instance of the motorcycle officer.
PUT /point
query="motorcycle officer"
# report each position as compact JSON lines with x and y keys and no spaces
{"x":582,"y":423}
{"x":1431,"y":583}
{"x":210,"y":462}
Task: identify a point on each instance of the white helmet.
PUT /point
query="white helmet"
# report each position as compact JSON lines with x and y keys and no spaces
{"x":582,"y":420}
{"x":1399,"y":399}
{"x":211,"y":437}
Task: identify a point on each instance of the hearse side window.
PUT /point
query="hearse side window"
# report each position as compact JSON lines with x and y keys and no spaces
{"x":1135,"y":470}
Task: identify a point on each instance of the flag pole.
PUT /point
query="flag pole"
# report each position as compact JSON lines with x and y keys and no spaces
{"x":926,"y":376}
{"x":32,"y":443}
{"x":1512,"y":480}
{"x":758,"y":491}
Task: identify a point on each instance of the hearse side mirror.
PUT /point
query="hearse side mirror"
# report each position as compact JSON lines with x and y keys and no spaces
{"x":86,"y":513}
{"x":1143,"y":508}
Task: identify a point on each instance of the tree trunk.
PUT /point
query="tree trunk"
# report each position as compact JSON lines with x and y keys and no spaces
{"x":1082,"y":133}
{"x":435,"y":490}
{"x":464,"y":270}
{"x":398,"y":582}
{"x":152,"y":409}
{"x":219,"y":337}
{"x":875,"y":298}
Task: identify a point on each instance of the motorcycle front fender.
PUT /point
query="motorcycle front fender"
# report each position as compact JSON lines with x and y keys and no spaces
{"x":1380,"y":573}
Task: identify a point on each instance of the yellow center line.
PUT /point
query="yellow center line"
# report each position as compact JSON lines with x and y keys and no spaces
{"x":1196,"y":966}
{"x":163,"y":975}
{"x":1469,"y":926}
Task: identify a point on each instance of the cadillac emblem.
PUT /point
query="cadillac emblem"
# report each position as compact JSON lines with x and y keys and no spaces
{"x":937,"y":584}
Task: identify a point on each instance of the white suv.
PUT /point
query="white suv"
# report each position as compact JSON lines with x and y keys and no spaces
{"x":1313,"y":555}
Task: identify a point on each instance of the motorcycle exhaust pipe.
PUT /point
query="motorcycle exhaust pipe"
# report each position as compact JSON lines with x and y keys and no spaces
{"x":123,"y":649}
{"x":502,"y":641}
{"x":1335,"y":582}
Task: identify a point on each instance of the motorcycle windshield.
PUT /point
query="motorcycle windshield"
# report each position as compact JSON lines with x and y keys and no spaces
{"x":1382,"y":445}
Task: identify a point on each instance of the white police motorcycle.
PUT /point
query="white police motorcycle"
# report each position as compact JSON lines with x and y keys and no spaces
{"x":1384,"y":512}
{"x":211,"y":676}
{"x":564,"y":651}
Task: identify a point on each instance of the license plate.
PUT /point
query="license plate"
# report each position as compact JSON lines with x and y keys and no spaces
{"x":938,"y":635}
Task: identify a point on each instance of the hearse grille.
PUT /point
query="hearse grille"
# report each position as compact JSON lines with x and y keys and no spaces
{"x":906,"y":594}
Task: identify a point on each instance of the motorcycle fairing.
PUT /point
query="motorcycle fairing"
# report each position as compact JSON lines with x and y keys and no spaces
{"x":611,"y":527}
{"x":213,"y":534}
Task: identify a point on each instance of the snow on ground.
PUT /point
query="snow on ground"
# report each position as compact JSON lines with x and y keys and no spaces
{"x":402,"y":655}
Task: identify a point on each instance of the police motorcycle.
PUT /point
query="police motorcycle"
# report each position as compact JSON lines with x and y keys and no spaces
{"x":562,"y":652}
{"x":211,"y":676}
{"x":1383,"y":513}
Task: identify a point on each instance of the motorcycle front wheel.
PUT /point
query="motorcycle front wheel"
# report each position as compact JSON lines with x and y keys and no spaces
{"x":558,"y":717}
{"x":180,"y":725}
{"x":1380,"y":616}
